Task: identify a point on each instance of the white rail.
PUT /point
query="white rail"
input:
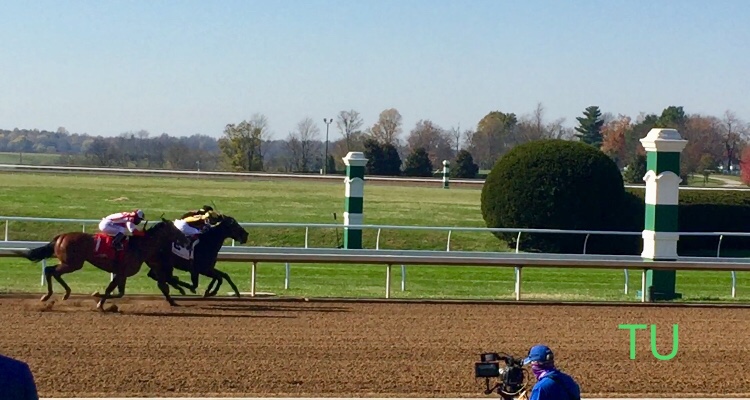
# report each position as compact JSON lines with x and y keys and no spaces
{"x":266,"y":175}
{"x":256,"y":255}
{"x":450,"y":230}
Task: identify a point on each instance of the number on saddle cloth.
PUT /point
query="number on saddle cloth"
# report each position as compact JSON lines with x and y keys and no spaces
{"x":182,"y":252}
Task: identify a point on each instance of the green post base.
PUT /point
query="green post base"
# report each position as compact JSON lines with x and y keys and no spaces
{"x":661,"y":285}
{"x":352,"y":238}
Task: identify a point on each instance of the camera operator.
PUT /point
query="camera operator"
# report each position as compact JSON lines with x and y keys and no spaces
{"x":552,"y":384}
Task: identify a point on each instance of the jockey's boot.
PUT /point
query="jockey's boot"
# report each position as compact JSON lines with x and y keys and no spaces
{"x":117,"y":242}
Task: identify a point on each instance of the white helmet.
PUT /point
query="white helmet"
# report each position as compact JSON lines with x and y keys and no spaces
{"x":139,"y":213}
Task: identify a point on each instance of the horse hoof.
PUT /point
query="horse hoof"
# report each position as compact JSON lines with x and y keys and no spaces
{"x":67,"y":296}
{"x":46,"y":297}
{"x":96,"y":294}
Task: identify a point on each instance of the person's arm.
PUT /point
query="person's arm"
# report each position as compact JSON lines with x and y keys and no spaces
{"x":535,"y":392}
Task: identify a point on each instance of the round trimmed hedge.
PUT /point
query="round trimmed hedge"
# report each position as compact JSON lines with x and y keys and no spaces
{"x":555,"y":184}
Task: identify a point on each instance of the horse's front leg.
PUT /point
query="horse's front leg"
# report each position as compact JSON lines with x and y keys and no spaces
{"x":225,"y":276}
{"x":162,"y":283}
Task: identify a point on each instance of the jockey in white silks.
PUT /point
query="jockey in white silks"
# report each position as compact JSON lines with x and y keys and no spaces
{"x":122,"y":224}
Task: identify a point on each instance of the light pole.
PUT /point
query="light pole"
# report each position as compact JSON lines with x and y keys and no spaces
{"x":325,"y":160}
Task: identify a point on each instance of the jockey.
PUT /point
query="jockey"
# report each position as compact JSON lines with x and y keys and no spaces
{"x":122,"y":224}
{"x":193,"y":223}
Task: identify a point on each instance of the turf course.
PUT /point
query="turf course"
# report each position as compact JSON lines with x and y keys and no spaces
{"x":90,"y":196}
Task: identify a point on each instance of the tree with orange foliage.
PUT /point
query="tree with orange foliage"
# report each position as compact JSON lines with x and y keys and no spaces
{"x":745,"y":165}
{"x":614,"y":136}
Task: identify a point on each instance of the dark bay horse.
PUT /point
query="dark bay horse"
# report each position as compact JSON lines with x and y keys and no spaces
{"x":72,"y":249}
{"x":204,"y":254}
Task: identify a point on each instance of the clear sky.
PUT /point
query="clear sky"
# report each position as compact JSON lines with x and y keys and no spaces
{"x":185,"y":67}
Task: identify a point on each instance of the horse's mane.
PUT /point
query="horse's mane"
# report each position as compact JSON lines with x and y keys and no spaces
{"x":189,"y":214}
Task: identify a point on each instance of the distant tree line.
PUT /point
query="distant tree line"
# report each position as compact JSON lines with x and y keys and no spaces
{"x":715,"y":143}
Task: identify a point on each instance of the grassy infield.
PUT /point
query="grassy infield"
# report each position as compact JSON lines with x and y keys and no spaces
{"x":88,"y":196}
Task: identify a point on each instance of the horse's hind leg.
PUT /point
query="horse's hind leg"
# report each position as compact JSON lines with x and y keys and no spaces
{"x":48,"y":273}
{"x":57,"y":272}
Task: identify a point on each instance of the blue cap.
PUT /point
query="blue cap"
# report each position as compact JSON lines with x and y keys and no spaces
{"x":539,"y":353}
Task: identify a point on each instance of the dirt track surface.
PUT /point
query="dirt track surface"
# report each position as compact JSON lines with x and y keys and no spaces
{"x":347,"y":349}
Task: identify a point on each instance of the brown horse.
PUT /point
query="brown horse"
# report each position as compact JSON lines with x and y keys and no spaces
{"x":72,"y":249}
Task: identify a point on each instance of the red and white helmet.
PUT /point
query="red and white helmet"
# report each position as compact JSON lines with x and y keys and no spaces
{"x":139,"y":214}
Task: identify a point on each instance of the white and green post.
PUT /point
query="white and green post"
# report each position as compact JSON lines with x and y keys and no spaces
{"x":353,"y":206}
{"x":661,"y":228}
{"x":446,"y":170}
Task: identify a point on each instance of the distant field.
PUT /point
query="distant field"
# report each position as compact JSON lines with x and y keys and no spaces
{"x":88,"y":196}
{"x":29,"y":158}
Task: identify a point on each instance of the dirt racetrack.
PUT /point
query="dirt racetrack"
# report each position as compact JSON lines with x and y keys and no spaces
{"x":356,"y":349}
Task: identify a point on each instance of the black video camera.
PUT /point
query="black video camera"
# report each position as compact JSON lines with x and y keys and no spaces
{"x":511,"y":378}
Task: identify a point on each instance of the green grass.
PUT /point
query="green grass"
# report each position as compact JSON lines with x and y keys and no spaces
{"x":29,"y":158}
{"x":90,"y":196}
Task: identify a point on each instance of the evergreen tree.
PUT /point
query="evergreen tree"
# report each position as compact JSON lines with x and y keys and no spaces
{"x":418,"y":163}
{"x":382,"y":159}
{"x":590,"y":126}
{"x":465,"y":166}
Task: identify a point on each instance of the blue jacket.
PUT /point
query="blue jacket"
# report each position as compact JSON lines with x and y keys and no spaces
{"x":16,"y":380}
{"x":548,"y":389}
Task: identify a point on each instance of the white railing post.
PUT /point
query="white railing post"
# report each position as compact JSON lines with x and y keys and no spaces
{"x":518,"y":283}
{"x":287,"y":274}
{"x":44,"y":266}
{"x":718,"y":248}
{"x":83,"y":227}
{"x":252,"y":279}
{"x":518,"y":241}
{"x":6,"y":229}
{"x":377,"y":240}
{"x":627,"y":279}
{"x":307,"y":231}
{"x":403,"y":278}
{"x":232,"y":242}
{"x":643,"y":285}
{"x":448,"y":245}
{"x":388,"y":282}
{"x":585,"y":242}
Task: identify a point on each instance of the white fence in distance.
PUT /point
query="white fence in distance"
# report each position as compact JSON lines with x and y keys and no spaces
{"x":266,"y":175}
{"x":247,"y":249}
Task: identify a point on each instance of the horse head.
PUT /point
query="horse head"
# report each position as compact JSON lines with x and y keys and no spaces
{"x":232,"y":229}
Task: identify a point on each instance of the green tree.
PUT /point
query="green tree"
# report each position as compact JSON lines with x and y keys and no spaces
{"x":636,"y":170}
{"x":590,"y":126}
{"x":331,"y":165}
{"x":241,"y":144}
{"x":672,"y":117}
{"x":418,"y":163}
{"x":464,"y":166}
{"x":382,"y":158}
{"x":555,"y":184}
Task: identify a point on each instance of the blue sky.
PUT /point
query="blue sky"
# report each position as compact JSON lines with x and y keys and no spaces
{"x":185,"y":67}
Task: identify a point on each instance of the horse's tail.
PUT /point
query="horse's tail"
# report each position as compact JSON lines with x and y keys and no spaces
{"x":39,"y":253}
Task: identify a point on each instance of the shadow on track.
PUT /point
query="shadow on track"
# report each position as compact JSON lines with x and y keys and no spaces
{"x":162,"y":314}
{"x":278,"y":308}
